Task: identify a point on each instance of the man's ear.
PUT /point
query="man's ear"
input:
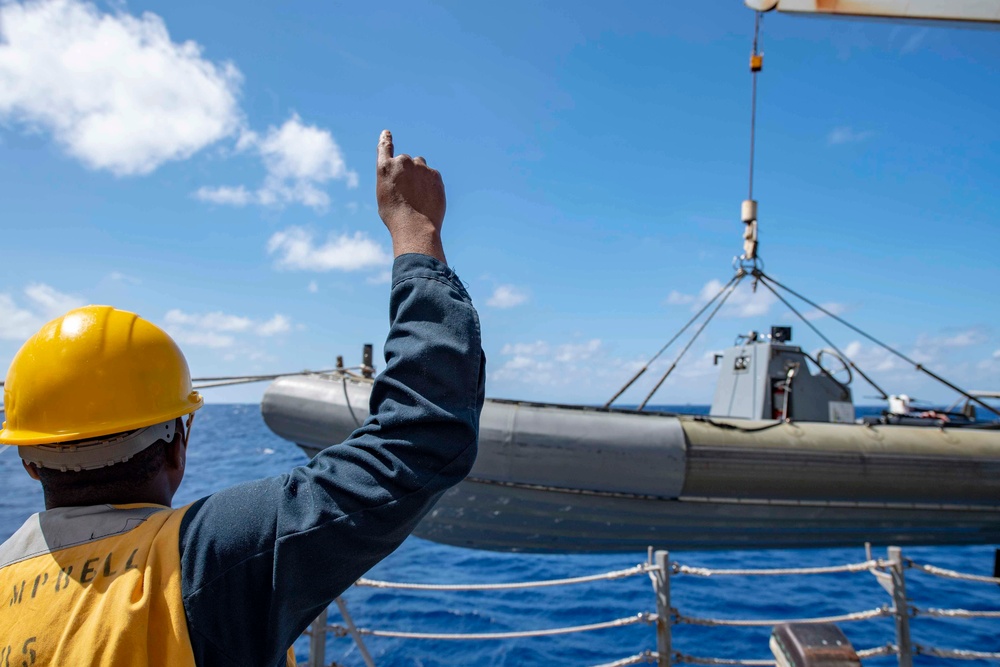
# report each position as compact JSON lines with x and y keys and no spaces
{"x":176,"y":452}
{"x":30,"y":469}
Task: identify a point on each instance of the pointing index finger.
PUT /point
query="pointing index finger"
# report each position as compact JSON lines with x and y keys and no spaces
{"x":385,"y":147}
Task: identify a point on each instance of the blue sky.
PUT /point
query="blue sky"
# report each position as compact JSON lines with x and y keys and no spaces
{"x":211,"y":167}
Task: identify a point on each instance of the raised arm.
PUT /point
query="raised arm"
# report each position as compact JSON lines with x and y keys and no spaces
{"x":281,"y":549}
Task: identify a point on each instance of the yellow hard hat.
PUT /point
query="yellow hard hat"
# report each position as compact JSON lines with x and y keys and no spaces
{"x":93,"y":372}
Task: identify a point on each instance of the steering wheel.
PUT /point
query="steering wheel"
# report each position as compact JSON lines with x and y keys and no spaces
{"x":836,"y":366}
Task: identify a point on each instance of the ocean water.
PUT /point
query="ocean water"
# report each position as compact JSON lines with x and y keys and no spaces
{"x":231,"y":444}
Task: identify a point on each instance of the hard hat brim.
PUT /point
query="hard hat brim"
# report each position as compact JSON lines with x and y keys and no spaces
{"x":23,"y":437}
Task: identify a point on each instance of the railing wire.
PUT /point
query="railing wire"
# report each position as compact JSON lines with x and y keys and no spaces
{"x":751,"y":623}
{"x":638,"y":659}
{"x":642,"y":568}
{"x":951,"y":574}
{"x":955,"y":613}
{"x":708,"y":572}
{"x":888,"y":649}
{"x":871,"y":565}
{"x":698,"y":660}
{"x":643,"y":617}
{"x":957,"y":654}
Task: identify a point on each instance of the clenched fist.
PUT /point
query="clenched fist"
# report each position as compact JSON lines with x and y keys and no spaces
{"x":411,"y":201}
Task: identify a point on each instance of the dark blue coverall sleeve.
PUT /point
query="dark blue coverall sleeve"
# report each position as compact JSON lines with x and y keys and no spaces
{"x":259,"y":561}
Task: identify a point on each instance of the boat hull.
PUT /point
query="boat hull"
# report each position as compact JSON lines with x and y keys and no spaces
{"x":555,"y":478}
{"x":486,"y":515}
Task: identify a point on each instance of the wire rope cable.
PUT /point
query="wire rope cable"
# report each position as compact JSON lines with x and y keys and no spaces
{"x":917,"y":366}
{"x":765,"y":280}
{"x":733,"y":284}
{"x":670,"y":342}
{"x":754,"y":69}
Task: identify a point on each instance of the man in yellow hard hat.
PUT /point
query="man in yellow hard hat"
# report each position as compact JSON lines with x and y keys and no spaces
{"x":99,"y":403}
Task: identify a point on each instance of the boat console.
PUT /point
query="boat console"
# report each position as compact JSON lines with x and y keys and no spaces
{"x":765,"y":377}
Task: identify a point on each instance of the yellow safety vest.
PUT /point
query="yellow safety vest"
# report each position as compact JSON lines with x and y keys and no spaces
{"x":95,"y":586}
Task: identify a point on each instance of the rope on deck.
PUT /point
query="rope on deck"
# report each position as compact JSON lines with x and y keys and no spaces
{"x":638,"y":659}
{"x":955,"y":613}
{"x":642,"y":568}
{"x":842,"y":618}
{"x":957,"y":654}
{"x":708,"y":572}
{"x":643,"y":617}
{"x":952,"y":574}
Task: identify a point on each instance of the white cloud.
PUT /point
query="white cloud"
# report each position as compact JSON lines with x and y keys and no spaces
{"x":942,"y":353}
{"x":967,"y":338}
{"x":210,"y":339}
{"x":219,"y":330}
{"x":530,"y":349}
{"x":217,"y":321}
{"x":299,"y":159}
{"x":297,"y":152}
{"x":743,"y":302}
{"x":746,"y":303}
{"x":676,"y":298}
{"x":313,"y":287}
{"x":587,"y":371}
{"x":16,"y":323}
{"x":895,"y":376}
{"x":507,"y":296}
{"x":929,"y":348}
{"x":276,"y":325}
{"x":296,"y":249}
{"x":571,"y":352}
{"x":873,"y":358}
{"x":710,"y":289}
{"x":43,"y":303}
{"x":238,"y":196}
{"x":564,"y":364}
{"x":991,"y":366}
{"x":51,"y":301}
{"x":113,"y":89}
{"x":847,"y":135}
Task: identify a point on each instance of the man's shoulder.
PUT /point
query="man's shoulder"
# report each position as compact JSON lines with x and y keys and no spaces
{"x":66,"y":527}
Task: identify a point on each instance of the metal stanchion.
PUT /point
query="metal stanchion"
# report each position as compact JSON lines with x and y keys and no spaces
{"x":317,"y":641}
{"x":902,"y":606}
{"x":661,"y":582}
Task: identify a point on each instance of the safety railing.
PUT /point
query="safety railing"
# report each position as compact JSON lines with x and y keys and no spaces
{"x":889,"y":572}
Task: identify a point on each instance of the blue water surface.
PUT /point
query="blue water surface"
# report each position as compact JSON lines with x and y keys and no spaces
{"x":231,"y":444}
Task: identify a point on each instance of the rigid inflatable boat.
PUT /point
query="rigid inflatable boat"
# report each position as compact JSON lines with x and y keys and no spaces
{"x":562,"y":478}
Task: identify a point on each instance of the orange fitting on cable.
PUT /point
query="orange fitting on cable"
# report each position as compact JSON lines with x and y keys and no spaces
{"x":756,"y":62}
